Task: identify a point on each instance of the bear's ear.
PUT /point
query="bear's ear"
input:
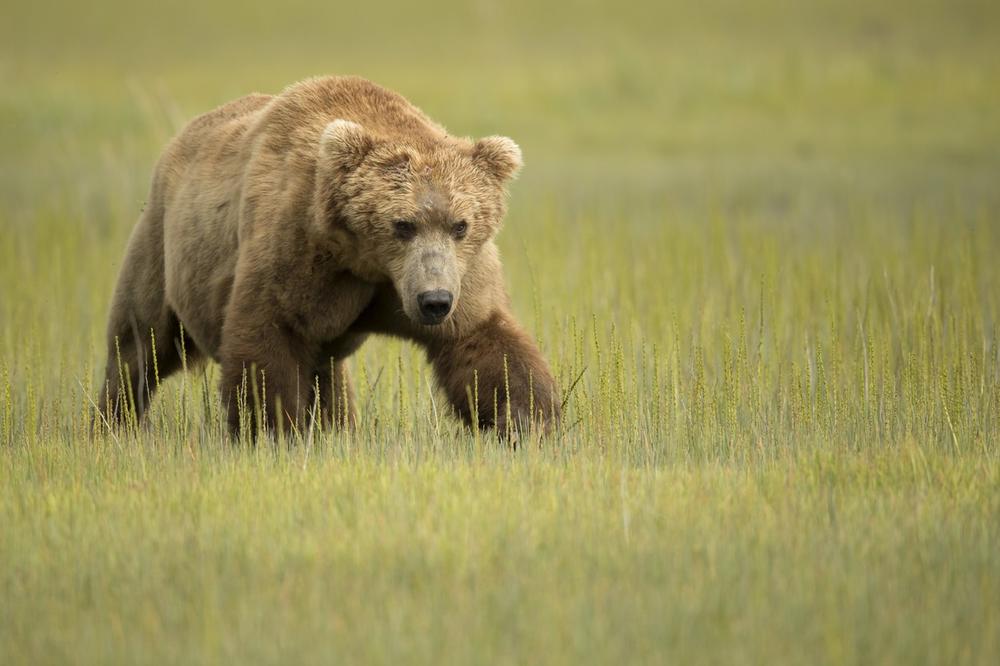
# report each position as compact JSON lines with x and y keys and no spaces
{"x":346,"y":143}
{"x":499,"y":155}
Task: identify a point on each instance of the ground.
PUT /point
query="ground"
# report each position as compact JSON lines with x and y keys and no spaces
{"x":757,"y":243}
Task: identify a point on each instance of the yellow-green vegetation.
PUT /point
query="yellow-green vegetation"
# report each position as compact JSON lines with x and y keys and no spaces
{"x":758,"y":241}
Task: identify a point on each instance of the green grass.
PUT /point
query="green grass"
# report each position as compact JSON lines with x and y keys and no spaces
{"x":758,"y":240}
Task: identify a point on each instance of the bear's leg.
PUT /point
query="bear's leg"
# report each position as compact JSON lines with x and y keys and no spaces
{"x":140,"y":321}
{"x":497,"y":375}
{"x":336,"y":395}
{"x":141,"y":354}
{"x":266,"y":370}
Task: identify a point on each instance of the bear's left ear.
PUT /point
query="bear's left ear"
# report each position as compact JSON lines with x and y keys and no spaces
{"x":499,"y":155}
{"x":346,"y":143}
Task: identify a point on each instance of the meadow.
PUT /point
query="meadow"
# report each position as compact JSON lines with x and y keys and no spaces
{"x":757,"y":241}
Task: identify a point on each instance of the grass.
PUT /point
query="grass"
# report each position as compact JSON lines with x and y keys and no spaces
{"x":757,"y":242}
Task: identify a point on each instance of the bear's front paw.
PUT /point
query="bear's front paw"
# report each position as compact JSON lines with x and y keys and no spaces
{"x":521,"y":414}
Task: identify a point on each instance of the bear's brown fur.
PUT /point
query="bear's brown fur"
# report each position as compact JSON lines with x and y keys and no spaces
{"x":282,"y":230}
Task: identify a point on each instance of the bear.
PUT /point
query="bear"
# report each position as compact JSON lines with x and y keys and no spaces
{"x":281,"y":231}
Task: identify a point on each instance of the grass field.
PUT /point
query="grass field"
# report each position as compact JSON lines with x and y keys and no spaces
{"x":759,"y":243}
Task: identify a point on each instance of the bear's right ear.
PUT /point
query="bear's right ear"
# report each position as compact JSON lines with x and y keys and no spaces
{"x":499,"y":155}
{"x":345,"y":143}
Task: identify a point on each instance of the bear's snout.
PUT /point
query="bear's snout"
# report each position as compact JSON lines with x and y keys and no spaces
{"x":430,"y":282}
{"x":434,"y":306}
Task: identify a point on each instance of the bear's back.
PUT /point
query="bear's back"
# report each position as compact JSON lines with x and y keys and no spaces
{"x":219,"y":123}
{"x":288,"y":125}
{"x":305,"y":108}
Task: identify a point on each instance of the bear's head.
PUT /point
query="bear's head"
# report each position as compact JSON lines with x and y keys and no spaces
{"x":414,"y":213}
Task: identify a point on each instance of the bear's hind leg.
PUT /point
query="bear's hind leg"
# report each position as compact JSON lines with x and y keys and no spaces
{"x":140,"y":321}
{"x":141,"y":354}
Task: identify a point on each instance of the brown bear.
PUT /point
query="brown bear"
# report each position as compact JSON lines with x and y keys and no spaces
{"x":283,"y":230}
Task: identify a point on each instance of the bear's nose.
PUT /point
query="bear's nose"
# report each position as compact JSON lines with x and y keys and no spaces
{"x":434,"y":305}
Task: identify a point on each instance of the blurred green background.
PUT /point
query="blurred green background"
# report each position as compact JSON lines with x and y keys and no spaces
{"x":727,"y":102}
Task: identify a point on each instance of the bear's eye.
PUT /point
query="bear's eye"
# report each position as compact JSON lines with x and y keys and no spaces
{"x":459,"y":229}
{"x":404,"y":230}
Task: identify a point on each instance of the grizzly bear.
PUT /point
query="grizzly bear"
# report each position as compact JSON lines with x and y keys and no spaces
{"x":281,"y":231}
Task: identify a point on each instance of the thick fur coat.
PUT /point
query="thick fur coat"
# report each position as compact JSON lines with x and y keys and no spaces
{"x":283,"y":230}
